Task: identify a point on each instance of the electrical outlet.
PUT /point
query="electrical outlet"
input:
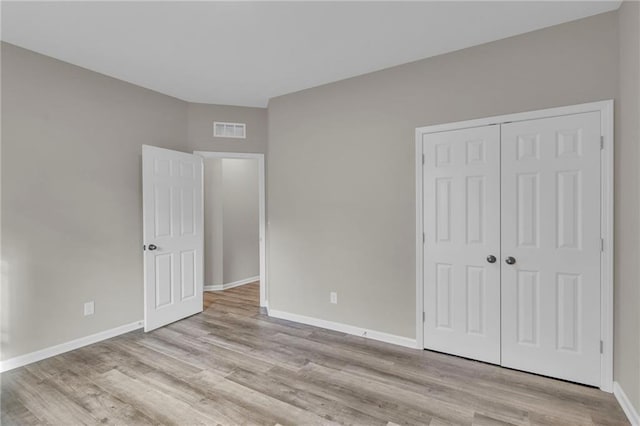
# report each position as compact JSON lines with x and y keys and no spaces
{"x":89,"y":308}
{"x":334,"y":297}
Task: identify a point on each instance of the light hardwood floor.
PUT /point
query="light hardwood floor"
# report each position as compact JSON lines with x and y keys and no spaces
{"x":234,"y":365}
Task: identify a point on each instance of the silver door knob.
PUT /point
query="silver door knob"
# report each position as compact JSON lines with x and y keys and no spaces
{"x":491,"y":259}
{"x":153,"y":247}
{"x":510,"y":260}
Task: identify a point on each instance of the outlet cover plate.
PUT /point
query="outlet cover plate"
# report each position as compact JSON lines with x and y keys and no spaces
{"x":89,"y":308}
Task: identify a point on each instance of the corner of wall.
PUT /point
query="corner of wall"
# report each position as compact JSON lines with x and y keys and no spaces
{"x":627,"y":342}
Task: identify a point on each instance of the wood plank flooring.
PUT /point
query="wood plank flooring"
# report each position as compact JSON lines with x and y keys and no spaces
{"x":234,"y":365}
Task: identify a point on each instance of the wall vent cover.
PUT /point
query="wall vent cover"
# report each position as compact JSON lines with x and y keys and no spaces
{"x":229,"y":130}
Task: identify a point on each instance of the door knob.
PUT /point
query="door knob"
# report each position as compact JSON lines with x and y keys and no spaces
{"x":491,"y":259}
{"x":153,"y":247}
{"x":510,"y":260}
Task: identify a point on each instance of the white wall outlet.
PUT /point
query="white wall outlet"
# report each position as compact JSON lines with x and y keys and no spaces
{"x":333,"y":297}
{"x":89,"y":308}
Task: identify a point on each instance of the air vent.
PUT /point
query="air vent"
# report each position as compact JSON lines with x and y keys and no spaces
{"x":229,"y":130}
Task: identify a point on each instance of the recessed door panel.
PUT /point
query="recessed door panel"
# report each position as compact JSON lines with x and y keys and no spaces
{"x":527,"y":210}
{"x":528,"y":300}
{"x":475,"y":152}
{"x":443,"y":209}
{"x":528,"y":147}
{"x":462,"y":227}
{"x":187,"y":212}
{"x":162,"y":211}
{"x":164,"y":280}
{"x":188,"y":269}
{"x":569,"y":209}
{"x":476,"y":300}
{"x":443,"y":296}
{"x":569,"y":311}
{"x":551,"y":228}
{"x":474,"y":209}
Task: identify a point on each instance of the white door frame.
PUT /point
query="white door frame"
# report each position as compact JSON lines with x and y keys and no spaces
{"x":606,"y":280}
{"x":264,"y":300}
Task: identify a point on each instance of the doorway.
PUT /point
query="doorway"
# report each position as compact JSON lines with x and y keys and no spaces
{"x":234,"y":221}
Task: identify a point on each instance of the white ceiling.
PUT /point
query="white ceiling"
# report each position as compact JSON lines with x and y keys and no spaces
{"x":244,"y":53}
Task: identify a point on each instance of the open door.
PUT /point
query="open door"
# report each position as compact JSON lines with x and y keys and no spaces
{"x":173,"y":235}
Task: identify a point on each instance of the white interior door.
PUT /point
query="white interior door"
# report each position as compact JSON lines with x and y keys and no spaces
{"x":551,"y":229}
{"x":173,"y":235}
{"x":462,"y":229}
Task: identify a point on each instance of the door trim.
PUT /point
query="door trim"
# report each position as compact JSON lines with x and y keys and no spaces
{"x":606,"y":280}
{"x":264,"y":299}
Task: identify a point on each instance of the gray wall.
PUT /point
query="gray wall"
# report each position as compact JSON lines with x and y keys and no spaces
{"x":341,"y":178}
{"x":240,"y":219}
{"x":231,"y":215}
{"x":200,"y":128}
{"x":213,"y":227}
{"x":71,"y":197}
{"x":627,"y":215}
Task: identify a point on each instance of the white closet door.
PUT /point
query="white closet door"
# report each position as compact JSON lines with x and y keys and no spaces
{"x":462,"y":228}
{"x":173,"y":235}
{"x":551,"y":229}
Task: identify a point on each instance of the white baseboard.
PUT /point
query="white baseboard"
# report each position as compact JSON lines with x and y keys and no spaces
{"x":345,"y":328}
{"x":627,"y":406}
{"x":220,"y":287}
{"x":32,"y":357}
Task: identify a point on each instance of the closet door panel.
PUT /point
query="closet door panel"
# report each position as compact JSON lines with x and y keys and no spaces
{"x":551,"y":229}
{"x":462,"y":227}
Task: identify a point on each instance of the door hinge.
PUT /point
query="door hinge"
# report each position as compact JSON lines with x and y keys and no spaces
{"x":424,"y":238}
{"x":601,"y":347}
{"x":602,"y":244}
{"x":424,"y":316}
{"x":601,"y":142}
{"x":423,"y":159}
